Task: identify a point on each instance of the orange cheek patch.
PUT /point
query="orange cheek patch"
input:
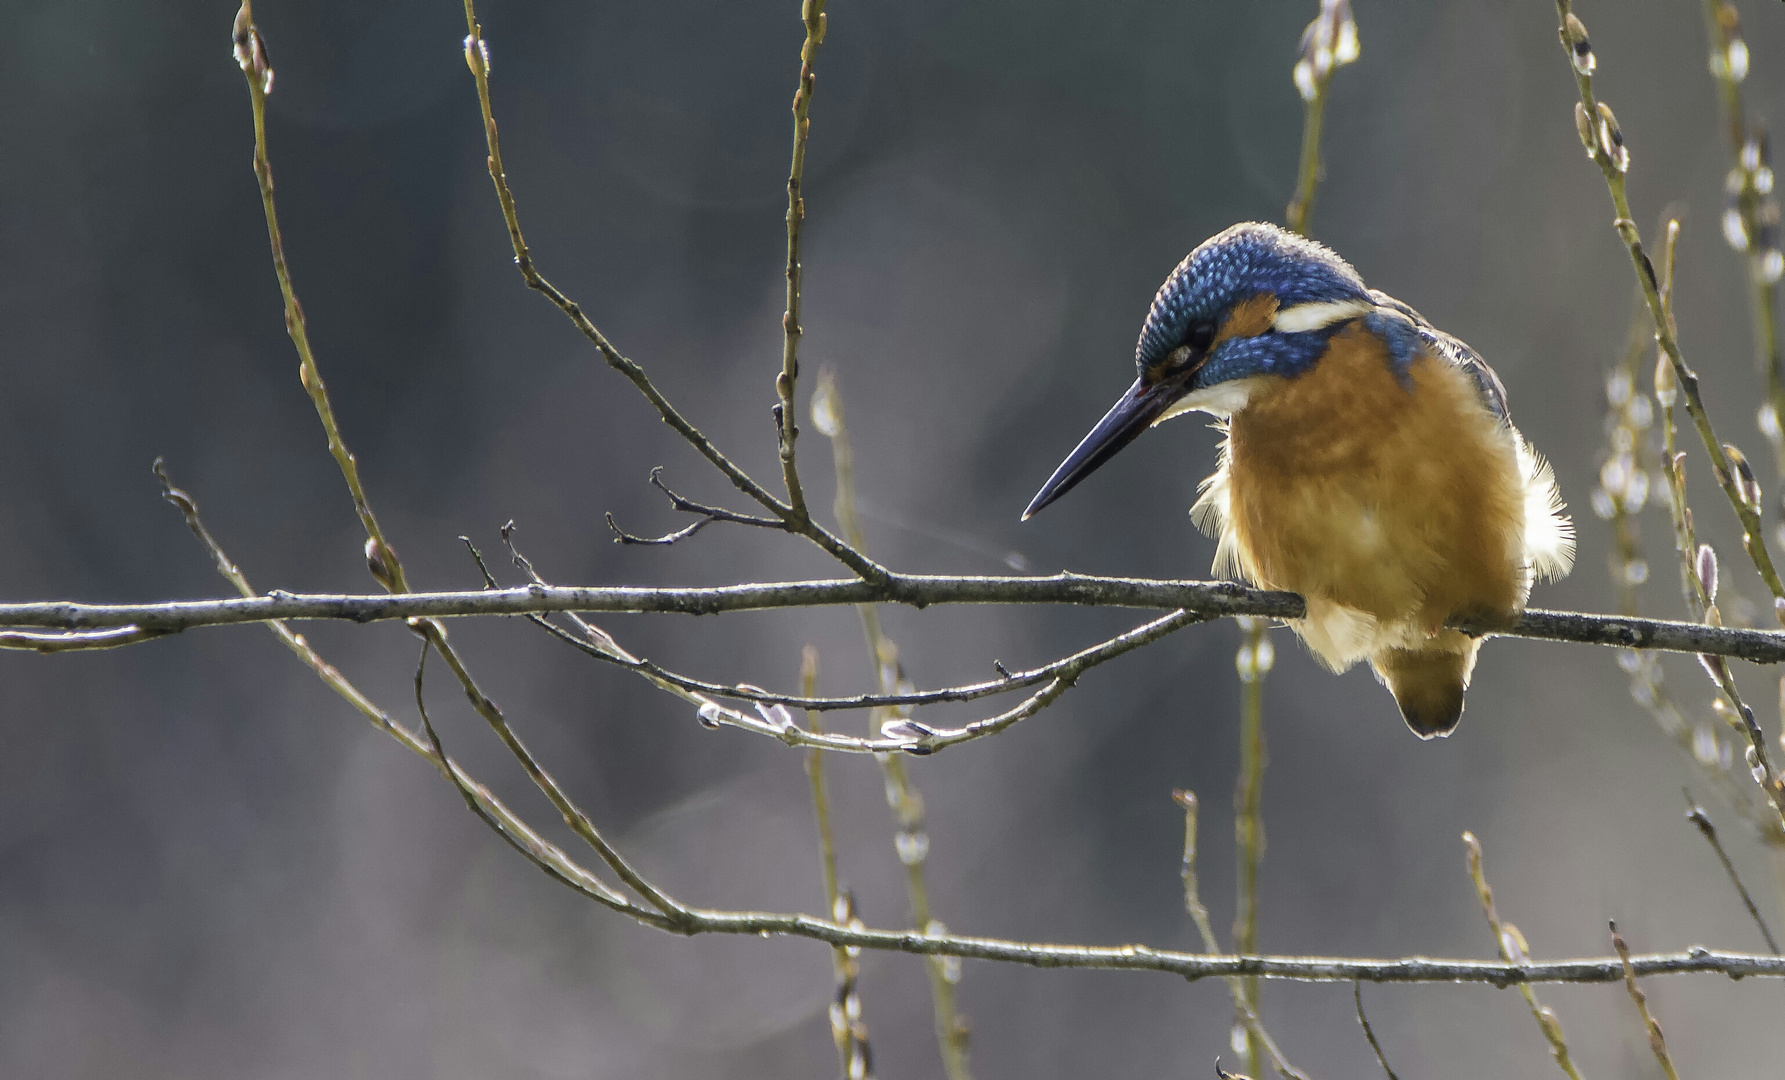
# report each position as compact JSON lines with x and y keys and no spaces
{"x":1248,"y":318}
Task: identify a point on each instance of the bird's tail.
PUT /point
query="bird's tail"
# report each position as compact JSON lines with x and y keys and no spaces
{"x":1428,"y":683}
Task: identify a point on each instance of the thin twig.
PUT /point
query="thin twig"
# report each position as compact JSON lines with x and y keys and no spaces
{"x":800,"y":522}
{"x":1624,"y":490}
{"x":909,"y":737}
{"x":1253,"y":661}
{"x":1199,"y":915}
{"x":709,"y":514}
{"x":786,"y":423}
{"x":1075,"y":664}
{"x":912,"y":841}
{"x":381,"y":558}
{"x":536,"y":849}
{"x":578,"y":821}
{"x":1698,"y":563}
{"x":621,"y":536}
{"x":1697,"y":816}
{"x":1511,"y":945}
{"x":827,"y":847}
{"x":473,"y":794}
{"x":1609,"y":153}
{"x":1651,"y":1026}
{"x":1136,"y":957}
{"x":1605,"y":145}
{"x":848,"y":1030}
{"x":1357,"y":997}
{"x":1124,"y":957}
{"x":1329,"y":42}
{"x":1754,"y":229}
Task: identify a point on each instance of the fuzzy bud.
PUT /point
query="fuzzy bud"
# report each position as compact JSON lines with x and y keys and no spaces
{"x":251,"y":50}
{"x":1666,"y":391}
{"x":378,"y":561}
{"x":1705,"y":567}
{"x":477,"y":55}
{"x":1611,"y":139}
{"x":1583,"y":126}
{"x":1574,"y":35}
{"x":1745,"y":484}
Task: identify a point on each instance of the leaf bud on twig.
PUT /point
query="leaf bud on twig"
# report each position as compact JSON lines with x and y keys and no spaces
{"x":1583,"y":126}
{"x":1611,"y":139}
{"x":1329,"y":42}
{"x":1746,"y":485}
{"x":1705,"y":568}
{"x":378,"y":561}
{"x":477,"y":52}
{"x":251,"y":50}
{"x":1574,"y":35}
{"x":1666,"y":392}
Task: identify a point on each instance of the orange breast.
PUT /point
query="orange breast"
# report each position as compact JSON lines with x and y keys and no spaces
{"x":1401,"y":501}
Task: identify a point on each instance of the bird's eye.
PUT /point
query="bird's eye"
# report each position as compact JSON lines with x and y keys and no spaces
{"x":1200,"y":336}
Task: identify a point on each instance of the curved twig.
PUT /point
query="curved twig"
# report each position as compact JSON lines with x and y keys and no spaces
{"x":1081,"y":661}
{"x":797,"y":519}
{"x":709,"y":514}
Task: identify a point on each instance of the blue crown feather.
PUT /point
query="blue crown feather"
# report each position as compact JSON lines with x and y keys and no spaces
{"x":1242,"y":262}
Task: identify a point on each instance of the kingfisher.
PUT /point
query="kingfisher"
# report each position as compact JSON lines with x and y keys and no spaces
{"x":1368,"y":461}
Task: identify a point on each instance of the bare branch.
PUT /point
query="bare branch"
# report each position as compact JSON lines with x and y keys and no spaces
{"x":1696,"y":815}
{"x":1651,"y":1026}
{"x":573,"y":815}
{"x":1078,"y":662}
{"x":472,"y":794}
{"x":786,"y":426}
{"x":1209,"y":599}
{"x":381,"y":558}
{"x":1357,"y":996}
{"x":541,"y":852}
{"x":621,"y":536}
{"x":1755,"y":210}
{"x":1511,"y":945}
{"x":1604,"y":143}
{"x":1411,"y":969}
{"x":709,"y":514}
{"x":798,"y":521}
{"x":912,"y":840}
{"x":1199,"y":915}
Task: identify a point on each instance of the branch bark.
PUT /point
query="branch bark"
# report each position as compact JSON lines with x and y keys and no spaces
{"x":1212,"y":599}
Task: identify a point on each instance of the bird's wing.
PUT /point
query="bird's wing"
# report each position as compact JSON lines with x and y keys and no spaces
{"x":1487,"y":384}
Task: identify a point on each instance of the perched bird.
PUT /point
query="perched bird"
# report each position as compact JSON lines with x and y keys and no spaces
{"x":1369,"y":462}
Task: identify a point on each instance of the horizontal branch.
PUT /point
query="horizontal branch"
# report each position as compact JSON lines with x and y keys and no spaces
{"x":1212,"y":598}
{"x":1412,"y":969}
{"x":1206,"y":598}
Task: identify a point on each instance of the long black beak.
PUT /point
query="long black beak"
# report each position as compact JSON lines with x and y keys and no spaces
{"x":1124,"y":422}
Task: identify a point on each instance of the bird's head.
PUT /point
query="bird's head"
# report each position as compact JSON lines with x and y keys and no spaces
{"x":1252,"y":302}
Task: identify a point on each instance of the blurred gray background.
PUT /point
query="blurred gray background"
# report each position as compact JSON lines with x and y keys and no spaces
{"x":211,"y":867}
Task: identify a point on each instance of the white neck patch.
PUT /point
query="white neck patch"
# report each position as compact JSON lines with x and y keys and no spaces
{"x":1318,"y":315}
{"x":1222,"y":399}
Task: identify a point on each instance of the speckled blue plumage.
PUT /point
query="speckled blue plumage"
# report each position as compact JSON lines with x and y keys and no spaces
{"x":1244,"y":261}
{"x":1267,"y":354}
{"x":1257,"y":258}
